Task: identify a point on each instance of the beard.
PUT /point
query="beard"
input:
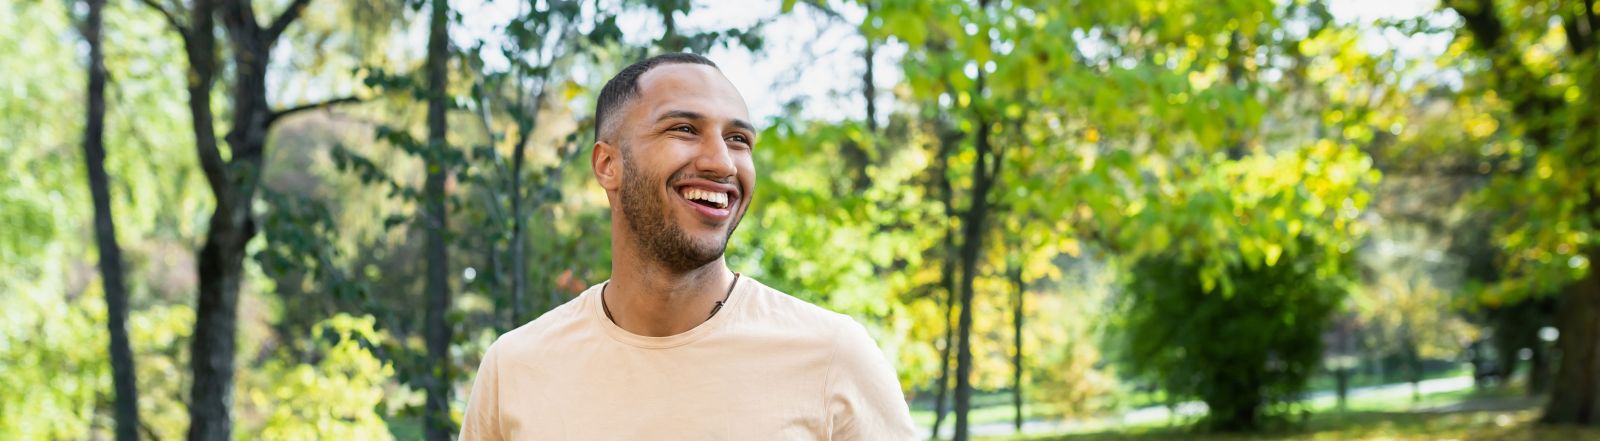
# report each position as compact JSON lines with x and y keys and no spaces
{"x":657,"y":233}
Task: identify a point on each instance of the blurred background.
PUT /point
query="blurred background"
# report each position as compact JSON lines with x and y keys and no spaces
{"x":1084,"y":219}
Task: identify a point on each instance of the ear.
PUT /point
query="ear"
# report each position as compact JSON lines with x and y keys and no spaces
{"x":607,"y":162}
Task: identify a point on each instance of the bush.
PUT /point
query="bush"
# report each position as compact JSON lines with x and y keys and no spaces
{"x":1245,"y":353}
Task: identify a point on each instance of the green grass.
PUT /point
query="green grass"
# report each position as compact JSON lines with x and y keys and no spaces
{"x":996,"y":407}
{"x":1509,"y":424}
{"x":988,"y":414}
{"x":1399,"y":400}
{"x":1326,"y":381}
{"x":1494,"y":414}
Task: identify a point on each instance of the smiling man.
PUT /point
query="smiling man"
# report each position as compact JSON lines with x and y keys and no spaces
{"x":676,"y":345}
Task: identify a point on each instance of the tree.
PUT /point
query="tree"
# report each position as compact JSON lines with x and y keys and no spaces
{"x":978,"y":113}
{"x":1014,"y":270}
{"x":1429,"y":253}
{"x":1082,"y":84}
{"x":435,"y":220}
{"x":1408,"y":316}
{"x":1550,"y":109}
{"x":947,"y":273}
{"x":111,"y":274}
{"x":545,"y":42}
{"x":1240,"y":353}
{"x":234,"y":182}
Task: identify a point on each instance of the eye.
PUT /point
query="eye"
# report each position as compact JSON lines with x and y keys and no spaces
{"x":739,"y":139}
{"x":685,"y":128}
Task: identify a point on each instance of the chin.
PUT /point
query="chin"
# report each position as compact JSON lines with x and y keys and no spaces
{"x":710,"y":250}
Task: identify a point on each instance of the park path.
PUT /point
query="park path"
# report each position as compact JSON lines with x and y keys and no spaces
{"x":1157,"y":414}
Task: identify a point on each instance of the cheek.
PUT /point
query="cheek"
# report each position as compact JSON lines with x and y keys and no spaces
{"x":748,"y":181}
{"x":647,"y":166}
{"x":747,"y":176}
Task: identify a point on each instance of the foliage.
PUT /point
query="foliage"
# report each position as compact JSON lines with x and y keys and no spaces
{"x":339,"y":395}
{"x":1244,"y":354}
{"x":1068,"y":369}
{"x":33,"y":156}
{"x":55,"y":357}
{"x":1536,"y":79}
{"x":1412,"y":316}
{"x":1223,"y":197}
{"x":1485,"y":422}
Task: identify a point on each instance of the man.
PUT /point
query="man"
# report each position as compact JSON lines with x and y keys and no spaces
{"x":675,"y":345}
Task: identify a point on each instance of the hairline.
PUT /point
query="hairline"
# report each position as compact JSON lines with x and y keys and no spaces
{"x":607,"y":119}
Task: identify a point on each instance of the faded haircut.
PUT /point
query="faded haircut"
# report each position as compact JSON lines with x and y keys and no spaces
{"x":625,"y":86}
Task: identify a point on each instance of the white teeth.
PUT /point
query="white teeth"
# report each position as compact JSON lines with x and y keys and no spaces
{"x":718,"y":198}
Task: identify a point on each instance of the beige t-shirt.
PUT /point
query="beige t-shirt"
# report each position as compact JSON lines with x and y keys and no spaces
{"x":766,"y":367}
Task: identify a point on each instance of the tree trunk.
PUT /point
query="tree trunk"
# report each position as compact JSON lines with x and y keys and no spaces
{"x":949,"y":140}
{"x":1575,"y":399}
{"x":210,"y":398}
{"x":949,"y":282}
{"x":983,"y":176}
{"x":1341,"y":377}
{"x":519,"y":249}
{"x":869,"y":86}
{"x":1017,"y":314}
{"x":972,"y":243}
{"x":216,"y":324}
{"x":234,"y":183}
{"x":1510,"y":334}
{"x":855,"y":154}
{"x":1538,"y":368}
{"x":439,"y":426}
{"x":123,"y":375}
{"x":1414,"y":370}
{"x":1380,"y":368}
{"x":1341,"y":369}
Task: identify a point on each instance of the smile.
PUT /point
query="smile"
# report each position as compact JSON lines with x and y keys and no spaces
{"x":713,"y":199}
{"x":712,"y":205}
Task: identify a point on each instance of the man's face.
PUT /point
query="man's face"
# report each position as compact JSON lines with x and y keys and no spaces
{"x":687,"y":172}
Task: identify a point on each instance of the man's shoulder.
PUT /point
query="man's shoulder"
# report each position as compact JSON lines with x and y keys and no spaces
{"x":552,"y":328}
{"x":852,"y":349}
{"x":773,"y":306}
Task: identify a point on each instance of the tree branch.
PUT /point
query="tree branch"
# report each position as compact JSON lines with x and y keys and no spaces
{"x":172,"y":20}
{"x":144,"y":426}
{"x":1520,"y":85}
{"x":285,"y":19}
{"x":1480,"y":18}
{"x":1579,"y":29}
{"x":822,"y":6}
{"x":275,"y":116}
{"x":1592,"y":12}
{"x":216,"y":171}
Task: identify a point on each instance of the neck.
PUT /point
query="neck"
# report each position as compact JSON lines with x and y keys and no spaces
{"x":646,"y":299}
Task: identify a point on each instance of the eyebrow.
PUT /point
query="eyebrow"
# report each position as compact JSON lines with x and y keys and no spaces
{"x":694,"y":116}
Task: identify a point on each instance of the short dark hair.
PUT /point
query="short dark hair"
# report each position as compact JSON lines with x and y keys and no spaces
{"x":625,"y":86}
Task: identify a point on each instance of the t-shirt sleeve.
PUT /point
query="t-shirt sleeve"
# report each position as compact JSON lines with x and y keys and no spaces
{"x":482,"y":419}
{"x":863,"y":394}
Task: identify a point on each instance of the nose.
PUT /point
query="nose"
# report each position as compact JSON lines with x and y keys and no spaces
{"x":715,"y":159}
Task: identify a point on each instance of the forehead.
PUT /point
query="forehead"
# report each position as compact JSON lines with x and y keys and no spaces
{"x":688,"y":87}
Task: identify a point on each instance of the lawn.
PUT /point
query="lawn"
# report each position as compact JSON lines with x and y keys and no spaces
{"x":1507,"y":425}
{"x":1504,"y":414}
{"x":993,"y":407}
